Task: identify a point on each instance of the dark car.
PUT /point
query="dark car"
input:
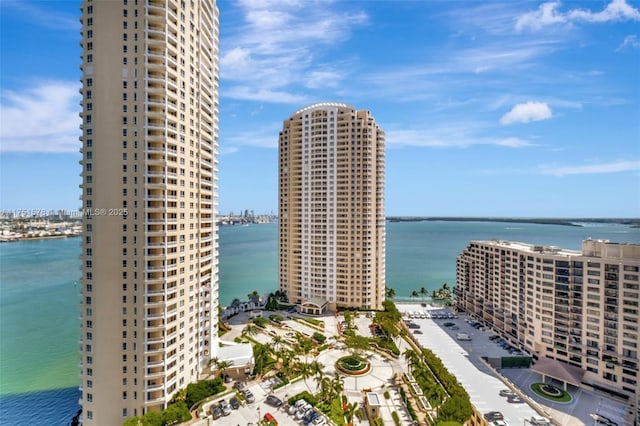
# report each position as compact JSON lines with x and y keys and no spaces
{"x":216,"y":411}
{"x":239,"y":385}
{"x":273,"y":401}
{"x":493,"y":415}
{"x":235,"y":403}
{"x":449,"y":324}
{"x":310,"y":417}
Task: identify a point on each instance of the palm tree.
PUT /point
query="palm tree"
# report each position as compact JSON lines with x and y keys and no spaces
{"x":213,"y":362}
{"x":249,"y":330}
{"x":305,"y":372}
{"x":337,"y":383}
{"x":414,"y":294}
{"x":277,"y":341}
{"x":423,"y":292}
{"x":325,"y":388}
{"x":222,"y":366}
{"x":350,"y":411}
{"x":390,"y":293}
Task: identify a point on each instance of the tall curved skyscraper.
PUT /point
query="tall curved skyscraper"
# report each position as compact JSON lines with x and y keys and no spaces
{"x":149,"y":306}
{"x":331,"y":208}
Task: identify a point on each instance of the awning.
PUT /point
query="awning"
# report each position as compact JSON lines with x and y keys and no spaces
{"x":559,"y":370}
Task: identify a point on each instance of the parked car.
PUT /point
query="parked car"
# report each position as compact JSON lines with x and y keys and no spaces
{"x":493,"y":415}
{"x":216,"y":412}
{"x":296,"y":406}
{"x":239,"y":385}
{"x":225,"y":407}
{"x":249,"y":396}
{"x":319,"y":421}
{"x":303,"y":412}
{"x":235,"y":403}
{"x":273,"y":401}
{"x":539,"y":421}
{"x":515,"y":399}
{"x":310,"y":417}
{"x":506,"y":392}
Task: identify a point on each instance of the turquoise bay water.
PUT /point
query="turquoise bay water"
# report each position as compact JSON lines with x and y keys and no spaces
{"x":39,"y":294}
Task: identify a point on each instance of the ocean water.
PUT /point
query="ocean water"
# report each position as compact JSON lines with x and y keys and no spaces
{"x":39,"y":295}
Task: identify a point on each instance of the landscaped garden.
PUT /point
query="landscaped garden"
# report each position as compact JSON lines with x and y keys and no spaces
{"x":551,"y":393}
{"x":353,"y":365}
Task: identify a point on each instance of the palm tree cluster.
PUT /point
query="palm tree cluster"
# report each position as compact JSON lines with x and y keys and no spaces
{"x":440,"y":387}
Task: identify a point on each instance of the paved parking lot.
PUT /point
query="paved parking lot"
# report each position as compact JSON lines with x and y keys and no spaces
{"x":462,"y":358}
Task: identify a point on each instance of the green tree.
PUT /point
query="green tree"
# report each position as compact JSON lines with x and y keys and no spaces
{"x":414,"y":294}
{"x":133,"y":421}
{"x":350,"y":411}
{"x":176,"y":413}
{"x":305,"y":371}
{"x":423,"y":292}
{"x":390,"y":293}
{"x":357,"y":344}
{"x":250,"y":330}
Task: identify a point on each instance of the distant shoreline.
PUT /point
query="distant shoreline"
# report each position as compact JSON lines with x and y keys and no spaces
{"x":44,"y":237}
{"x":540,"y":221}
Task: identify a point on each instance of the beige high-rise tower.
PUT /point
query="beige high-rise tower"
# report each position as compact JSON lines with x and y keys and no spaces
{"x":331,"y":210}
{"x":149,"y":305}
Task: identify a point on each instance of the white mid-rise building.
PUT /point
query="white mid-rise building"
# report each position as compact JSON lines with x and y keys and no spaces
{"x":579,"y":308}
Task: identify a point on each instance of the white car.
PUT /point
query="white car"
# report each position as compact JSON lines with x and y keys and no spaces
{"x":303,"y":411}
{"x":319,"y":421}
{"x":295,"y":407}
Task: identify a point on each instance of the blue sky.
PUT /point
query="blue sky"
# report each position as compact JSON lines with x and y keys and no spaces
{"x":490,"y":109}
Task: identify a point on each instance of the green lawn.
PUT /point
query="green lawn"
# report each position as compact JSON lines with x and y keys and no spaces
{"x":565,"y":397}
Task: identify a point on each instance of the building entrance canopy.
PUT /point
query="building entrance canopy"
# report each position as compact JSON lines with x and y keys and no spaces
{"x":314,"y":306}
{"x":558,"y":370}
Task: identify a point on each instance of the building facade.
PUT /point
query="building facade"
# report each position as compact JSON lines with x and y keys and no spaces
{"x":331,"y":208}
{"x":149,"y":187}
{"x":579,"y":308}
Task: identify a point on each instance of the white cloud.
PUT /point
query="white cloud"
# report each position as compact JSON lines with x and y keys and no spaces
{"x":549,"y":14}
{"x":248,"y":93}
{"x":615,"y":167}
{"x":526,"y":112}
{"x":513,"y":142}
{"x":42,"y":118}
{"x":46,"y":17}
{"x":277,"y":45}
{"x":629,"y":41}
{"x":453,"y":136}
{"x":617,"y":10}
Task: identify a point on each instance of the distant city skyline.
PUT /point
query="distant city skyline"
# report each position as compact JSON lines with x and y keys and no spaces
{"x":526,"y":109}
